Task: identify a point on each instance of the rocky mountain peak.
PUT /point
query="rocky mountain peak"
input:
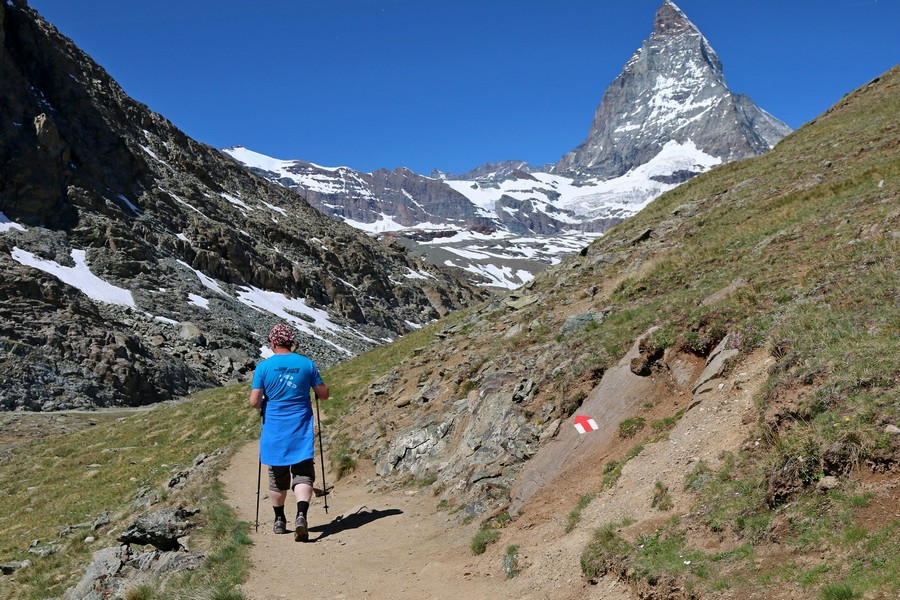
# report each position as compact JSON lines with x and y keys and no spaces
{"x":671,"y":90}
{"x":671,"y":20}
{"x":667,"y":117}
{"x":672,"y":27}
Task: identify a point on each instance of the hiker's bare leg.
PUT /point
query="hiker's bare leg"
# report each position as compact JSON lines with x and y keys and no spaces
{"x":303,"y":492}
{"x":278,"y":497}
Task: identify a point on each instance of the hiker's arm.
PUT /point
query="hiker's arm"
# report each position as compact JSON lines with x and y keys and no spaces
{"x":321,"y":392}
{"x":255,"y":398}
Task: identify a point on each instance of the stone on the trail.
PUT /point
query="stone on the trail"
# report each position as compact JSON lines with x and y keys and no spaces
{"x":105,"y":564}
{"x":160,"y":529}
{"x":715,"y":364}
{"x":828,"y":482}
{"x":11,"y":567}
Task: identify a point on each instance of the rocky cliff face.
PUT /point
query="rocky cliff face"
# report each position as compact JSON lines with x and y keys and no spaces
{"x":140,"y":265}
{"x":672,"y":89}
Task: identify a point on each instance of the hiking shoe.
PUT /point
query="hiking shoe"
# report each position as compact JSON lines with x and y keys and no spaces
{"x":280,"y":525}
{"x":301,"y":532}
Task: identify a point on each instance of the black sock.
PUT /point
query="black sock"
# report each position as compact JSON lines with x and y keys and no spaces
{"x":279,"y":512}
{"x":302,"y":507}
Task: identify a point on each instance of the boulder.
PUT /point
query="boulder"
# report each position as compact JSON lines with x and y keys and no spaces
{"x":160,"y":529}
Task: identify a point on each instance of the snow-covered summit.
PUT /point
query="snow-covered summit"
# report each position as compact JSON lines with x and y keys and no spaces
{"x":672,"y":89}
{"x":667,"y":117}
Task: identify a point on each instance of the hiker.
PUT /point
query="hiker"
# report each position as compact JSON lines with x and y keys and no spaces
{"x":280,"y":389}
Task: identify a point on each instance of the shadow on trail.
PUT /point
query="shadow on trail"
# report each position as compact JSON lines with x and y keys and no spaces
{"x":363,"y":516}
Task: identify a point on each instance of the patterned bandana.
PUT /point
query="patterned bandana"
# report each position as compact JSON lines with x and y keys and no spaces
{"x":282,"y":336}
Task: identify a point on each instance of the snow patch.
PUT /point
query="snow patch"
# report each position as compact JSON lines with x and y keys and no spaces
{"x":410,"y":274}
{"x":277,"y":209}
{"x":7,"y":225}
{"x":79,"y":276}
{"x":207,"y":281}
{"x":236,"y":201}
{"x":198,"y":301}
{"x":309,"y":320}
{"x":129,"y":204}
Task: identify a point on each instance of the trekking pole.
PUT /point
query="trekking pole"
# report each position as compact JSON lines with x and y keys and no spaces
{"x":322,"y":455}
{"x":258,"y":478}
{"x":262,"y":414}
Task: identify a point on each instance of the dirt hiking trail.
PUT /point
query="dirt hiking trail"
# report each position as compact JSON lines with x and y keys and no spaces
{"x":394,"y":546}
{"x":369,"y":545}
{"x":399,"y":545}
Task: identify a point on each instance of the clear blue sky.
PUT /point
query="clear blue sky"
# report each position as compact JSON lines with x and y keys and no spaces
{"x":449,"y":84}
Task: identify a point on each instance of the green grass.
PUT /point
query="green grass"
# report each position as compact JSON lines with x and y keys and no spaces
{"x":662,"y":500}
{"x":485,"y":536}
{"x":606,"y":552}
{"x":631,"y":426}
{"x":575,"y":515}
{"x":104,"y":466}
{"x":511,"y":561}
{"x":613,"y":469}
{"x":666,"y":423}
{"x":838,"y":591}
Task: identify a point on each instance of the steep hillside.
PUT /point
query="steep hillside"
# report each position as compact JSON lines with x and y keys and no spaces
{"x":140,"y":265}
{"x":750,"y":314}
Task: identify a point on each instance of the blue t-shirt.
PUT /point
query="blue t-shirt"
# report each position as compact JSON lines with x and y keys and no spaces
{"x":287,"y":433}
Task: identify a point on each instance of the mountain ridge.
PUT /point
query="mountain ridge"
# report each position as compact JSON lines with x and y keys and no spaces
{"x":667,"y":117}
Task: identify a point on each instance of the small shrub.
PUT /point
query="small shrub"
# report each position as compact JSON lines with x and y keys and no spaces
{"x":699,"y":476}
{"x":575,"y":515}
{"x":838,"y":591}
{"x":486,"y":535}
{"x":611,"y":472}
{"x":344,"y":464}
{"x":141,"y":592}
{"x":604,"y":552}
{"x":467,"y":386}
{"x":629,"y":427}
{"x":666,"y":423}
{"x":425,"y":481}
{"x":661,"y":498}
{"x":511,"y":561}
{"x":662,"y":338}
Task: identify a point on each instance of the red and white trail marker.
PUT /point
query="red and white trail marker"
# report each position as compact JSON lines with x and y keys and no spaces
{"x":585,"y":424}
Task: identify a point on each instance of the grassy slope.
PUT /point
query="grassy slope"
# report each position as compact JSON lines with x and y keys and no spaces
{"x":71,"y":479}
{"x":814,"y":228}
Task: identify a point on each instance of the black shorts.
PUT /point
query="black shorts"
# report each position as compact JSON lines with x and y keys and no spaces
{"x":282,"y":479}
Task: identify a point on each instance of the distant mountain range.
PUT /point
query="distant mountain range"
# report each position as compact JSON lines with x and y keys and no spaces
{"x":140,"y":265}
{"x":667,"y":117}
